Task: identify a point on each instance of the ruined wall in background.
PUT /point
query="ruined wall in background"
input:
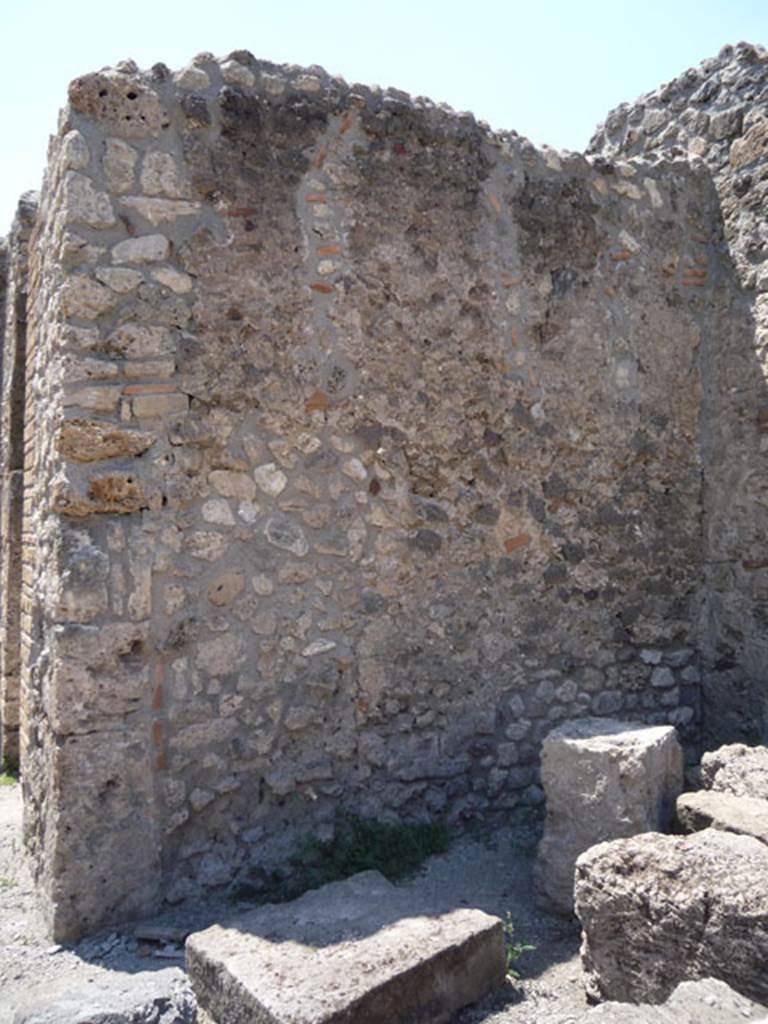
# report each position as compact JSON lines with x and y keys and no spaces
{"x":362,"y":446}
{"x":12,"y":414}
{"x":715,"y":116}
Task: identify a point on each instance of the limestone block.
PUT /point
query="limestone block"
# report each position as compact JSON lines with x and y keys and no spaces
{"x":90,"y":440}
{"x":119,"y":162}
{"x":82,"y":298}
{"x":122,"y":103}
{"x":693,"y":1002}
{"x":160,"y":175}
{"x":75,"y":154}
{"x":744,"y":815}
{"x":232,"y":484}
{"x":603,"y":779}
{"x":160,"y":211}
{"x":751,"y":146}
{"x":357,"y":951}
{"x":105,"y":855}
{"x":119,"y":279}
{"x":738,"y":769}
{"x":149,"y":997}
{"x":657,"y":910}
{"x":144,"y":249}
{"x":83,"y":204}
{"x":120,"y":493}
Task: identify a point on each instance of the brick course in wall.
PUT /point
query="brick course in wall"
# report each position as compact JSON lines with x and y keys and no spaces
{"x":364,"y":445}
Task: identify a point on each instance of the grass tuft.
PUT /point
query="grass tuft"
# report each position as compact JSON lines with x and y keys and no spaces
{"x":359,"y":844}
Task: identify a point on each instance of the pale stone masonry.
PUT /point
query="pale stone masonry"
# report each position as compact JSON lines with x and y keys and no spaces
{"x":361,"y":446}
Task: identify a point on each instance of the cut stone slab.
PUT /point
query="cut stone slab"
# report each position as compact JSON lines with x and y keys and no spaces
{"x":744,"y":815}
{"x":357,"y":952}
{"x":656,"y":910}
{"x":151,"y":997}
{"x":693,"y":1002}
{"x":603,"y":779}
{"x":738,"y":769}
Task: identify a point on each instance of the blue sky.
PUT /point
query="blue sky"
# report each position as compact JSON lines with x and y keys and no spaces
{"x":550,"y":70}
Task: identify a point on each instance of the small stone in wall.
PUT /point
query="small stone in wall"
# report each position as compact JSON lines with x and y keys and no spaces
{"x":82,"y":298}
{"x":176,"y":281}
{"x":119,"y":279}
{"x":75,"y":154}
{"x":119,"y":163}
{"x":207,"y":545}
{"x":84,"y":205}
{"x":217,"y":511}
{"x":270,"y":479}
{"x":225,"y":588}
{"x":144,"y":249}
{"x":262,"y":584}
{"x":157,"y":210}
{"x":160,"y":176}
{"x":248,"y":511}
{"x":318,"y":647}
{"x":284,"y":533}
{"x":354,"y":469}
{"x":232,"y":484}
{"x":234,"y":73}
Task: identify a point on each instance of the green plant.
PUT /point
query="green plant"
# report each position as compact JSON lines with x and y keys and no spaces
{"x":6,"y":779}
{"x":359,"y":844}
{"x":513,"y":948}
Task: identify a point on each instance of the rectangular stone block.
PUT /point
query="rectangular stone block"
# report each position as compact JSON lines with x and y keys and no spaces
{"x":356,"y":952}
{"x":744,"y":815}
{"x":603,"y":779}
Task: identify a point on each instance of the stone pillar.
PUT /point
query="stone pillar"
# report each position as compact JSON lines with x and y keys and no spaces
{"x":603,"y":779}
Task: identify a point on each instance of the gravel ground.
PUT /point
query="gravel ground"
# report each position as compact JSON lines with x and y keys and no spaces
{"x":493,"y":873}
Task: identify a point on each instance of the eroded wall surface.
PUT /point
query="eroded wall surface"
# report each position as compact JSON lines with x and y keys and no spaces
{"x":365,"y":449}
{"x":13,"y":303}
{"x":715,"y":117}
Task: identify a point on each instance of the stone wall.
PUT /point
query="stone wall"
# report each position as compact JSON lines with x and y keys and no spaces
{"x":364,"y":445}
{"x":715,"y":116}
{"x":12,"y":414}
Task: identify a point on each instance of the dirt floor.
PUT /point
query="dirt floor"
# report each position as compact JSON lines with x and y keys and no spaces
{"x":492,"y":872}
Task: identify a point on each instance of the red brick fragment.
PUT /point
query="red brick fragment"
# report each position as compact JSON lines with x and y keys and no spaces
{"x":240,"y":211}
{"x":322,"y":287}
{"x":621,"y":255}
{"x":318,"y":401}
{"x":515,"y":543}
{"x":329,"y":250}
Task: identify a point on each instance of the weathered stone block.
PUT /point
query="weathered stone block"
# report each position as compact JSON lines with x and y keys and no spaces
{"x":92,"y":440}
{"x":693,"y":1002}
{"x":657,"y":910}
{"x":603,"y":779}
{"x":356,"y":951}
{"x":745,"y":815}
{"x":738,"y":769}
{"x":151,"y":997}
